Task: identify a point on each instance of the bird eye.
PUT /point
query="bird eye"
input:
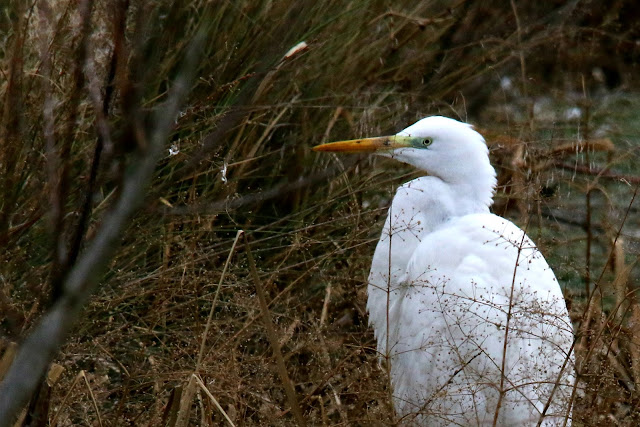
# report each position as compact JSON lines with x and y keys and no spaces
{"x":427,"y":142}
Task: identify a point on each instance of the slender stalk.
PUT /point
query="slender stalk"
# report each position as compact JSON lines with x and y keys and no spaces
{"x":273,"y":339}
{"x":215,"y":300}
{"x":213,"y":399}
{"x":41,"y":346}
{"x":503,"y":366}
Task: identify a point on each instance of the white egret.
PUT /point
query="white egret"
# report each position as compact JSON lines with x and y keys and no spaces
{"x":465,"y":309}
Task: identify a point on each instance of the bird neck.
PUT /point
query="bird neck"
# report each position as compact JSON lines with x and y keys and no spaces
{"x":469,"y":186}
{"x":466,"y":174}
{"x":474,"y":196}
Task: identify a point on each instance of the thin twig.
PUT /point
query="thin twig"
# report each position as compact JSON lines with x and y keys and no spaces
{"x":273,"y":339}
{"x":40,"y":347}
{"x":601,"y":173}
{"x":93,"y":398}
{"x":61,"y":406}
{"x":60,"y":168}
{"x":509,"y":313}
{"x":589,"y":242}
{"x":586,"y":320}
{"x":325,"y":306}
{"x":213,"y":399}
{"x":215,"y":300}
{"x":255,"y":198}
{"x":104,"y":140}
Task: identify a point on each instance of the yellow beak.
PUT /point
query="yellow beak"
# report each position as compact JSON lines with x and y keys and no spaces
{"x":367,"y":144}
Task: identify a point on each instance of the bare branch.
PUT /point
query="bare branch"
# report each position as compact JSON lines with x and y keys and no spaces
{"x":40,"y":347}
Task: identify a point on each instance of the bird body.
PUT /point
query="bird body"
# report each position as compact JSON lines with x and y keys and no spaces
{"x":465,"y":309}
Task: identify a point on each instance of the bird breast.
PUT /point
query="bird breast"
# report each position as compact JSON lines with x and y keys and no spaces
{"x":465,"y":284}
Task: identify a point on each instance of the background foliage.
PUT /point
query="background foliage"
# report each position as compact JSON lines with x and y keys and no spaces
{"x":552,"y":85}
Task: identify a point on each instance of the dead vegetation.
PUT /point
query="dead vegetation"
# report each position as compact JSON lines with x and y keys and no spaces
{"x":174,"y":333}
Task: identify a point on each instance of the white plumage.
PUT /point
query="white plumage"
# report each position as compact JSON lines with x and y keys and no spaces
{"x":450,"y":283}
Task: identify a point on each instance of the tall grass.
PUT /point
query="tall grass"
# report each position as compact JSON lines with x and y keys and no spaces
{"x":82,"y":83}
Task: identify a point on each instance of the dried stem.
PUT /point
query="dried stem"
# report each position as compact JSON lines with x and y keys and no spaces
{"x":40,"y":347}
{"x":273,"y":339}
{"x":215,"y":300}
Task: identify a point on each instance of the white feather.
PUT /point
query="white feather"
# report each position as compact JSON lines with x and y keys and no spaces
{"x":447,"y":280}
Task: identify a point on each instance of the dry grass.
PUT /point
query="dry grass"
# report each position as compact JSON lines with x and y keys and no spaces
{"x":81,"y":82}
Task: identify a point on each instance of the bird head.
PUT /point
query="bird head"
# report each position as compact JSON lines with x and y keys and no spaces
{"x":443,"y":147}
